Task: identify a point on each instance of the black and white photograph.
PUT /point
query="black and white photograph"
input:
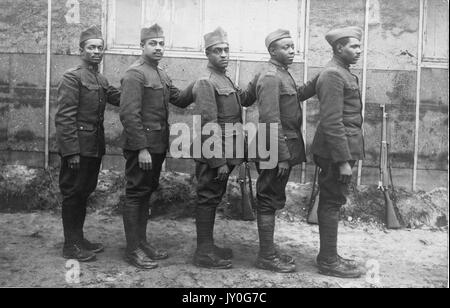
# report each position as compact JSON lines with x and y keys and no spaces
{"x":224,"y":149}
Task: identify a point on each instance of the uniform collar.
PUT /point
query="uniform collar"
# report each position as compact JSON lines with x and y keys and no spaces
{"x":147,"y":61}
{"x":279,"y":64}
{"x":217,"y":70}
{"x":337,"y":60}
{"x":89,"y":66}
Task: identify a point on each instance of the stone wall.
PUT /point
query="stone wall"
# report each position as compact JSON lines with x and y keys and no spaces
{"x":391,"y":80}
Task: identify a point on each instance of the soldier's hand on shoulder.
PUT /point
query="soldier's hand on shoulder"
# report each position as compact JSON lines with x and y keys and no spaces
{"x":74,"y":162}
{"x":145,"y":160}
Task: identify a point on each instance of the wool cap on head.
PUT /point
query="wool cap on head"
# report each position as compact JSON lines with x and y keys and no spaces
{"x":218,"y":36}
{"x":154,"y":31}
{"x":336,"y":34}
{"x":92,"y":32}
{"x":277,"y":35}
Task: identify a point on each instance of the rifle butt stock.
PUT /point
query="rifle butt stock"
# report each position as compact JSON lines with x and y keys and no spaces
{"x":391,"y":217}
{"x":313,"y":219}
{"x":246,"y":208}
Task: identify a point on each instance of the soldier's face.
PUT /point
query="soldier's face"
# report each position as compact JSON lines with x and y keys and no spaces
{"x":351,"y":53}
{"x":219,"y":55}
{"x":92,"y":51}
{"x":153,"y":49}
{"x":283,"y":51}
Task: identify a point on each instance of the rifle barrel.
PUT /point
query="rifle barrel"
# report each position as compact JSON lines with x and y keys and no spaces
{"x":391,"y":217}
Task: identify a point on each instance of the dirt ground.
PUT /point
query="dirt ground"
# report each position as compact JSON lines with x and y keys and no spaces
{"x":31,"y":245}
{"x":31,"y":237}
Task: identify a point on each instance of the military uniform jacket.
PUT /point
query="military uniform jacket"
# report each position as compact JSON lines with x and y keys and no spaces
{"x":217,"y":100}
{"x":147,"y":91}
{"x":82,"y":96}
{"x":339,"y":133}
{"x":279,"y":101}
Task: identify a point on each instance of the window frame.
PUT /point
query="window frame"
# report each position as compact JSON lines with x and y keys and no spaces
{"x":109,"y":26}
{"x":429,"y":62}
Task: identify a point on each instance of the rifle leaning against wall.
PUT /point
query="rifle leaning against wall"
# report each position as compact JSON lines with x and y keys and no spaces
{"x":247,"y":203}
{"x":314,"y":200}
{"x":385,"y":182}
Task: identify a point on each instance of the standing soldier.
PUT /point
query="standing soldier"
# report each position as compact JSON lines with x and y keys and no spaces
{"x":82,"y":95}
{"x":144,"y":113}
{"x":278,"y":98}
{"x":217,"y":100}
{"x":338,"y":144}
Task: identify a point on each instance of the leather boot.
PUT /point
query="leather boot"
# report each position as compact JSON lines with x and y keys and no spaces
{"x":223,"y":252}
{"x":151,"y":251}
{"x":83,"y":242}
{"x":339,"y":267}
{"x":77,"y":252}
{"x":139,"y":259}
{"x":328,"y":260}
{"x":285,"y":258}
{"x":207,"y":254}
{"x":349,"y":262}
{"x":328,"y":216}
{"x":268,"y":258}
{"x":135,"y":255}
{"x":79,"y":220}
{"x":69,"y":217}
{"x":93,"y":247}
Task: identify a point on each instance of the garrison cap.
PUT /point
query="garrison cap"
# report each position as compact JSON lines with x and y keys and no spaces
{"x":218,"y":36}
{"x":154,"y":31}
{"x":336,"y":34}
{"x":277,"y":35}
{"x":92,"y":32}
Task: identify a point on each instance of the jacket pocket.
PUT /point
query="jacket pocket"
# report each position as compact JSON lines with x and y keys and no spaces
{"x":154,"y":134}
{"x":86,"y":127}
{"x":225,"y":91}
{"x":90,"y":86}
{"x":286,"y":90}
{"x":351,"y":91}
{"x":152,"y":126}
{"x":354,"y":140}
{"x":89,"y":97}
{"x":154,"y":97}
{"x":295,"y":146}
{"x":87,"y":138}
{"x":154,"y":86}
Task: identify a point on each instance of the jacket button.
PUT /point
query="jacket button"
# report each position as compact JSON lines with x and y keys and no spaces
{"x":81,"y":127}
